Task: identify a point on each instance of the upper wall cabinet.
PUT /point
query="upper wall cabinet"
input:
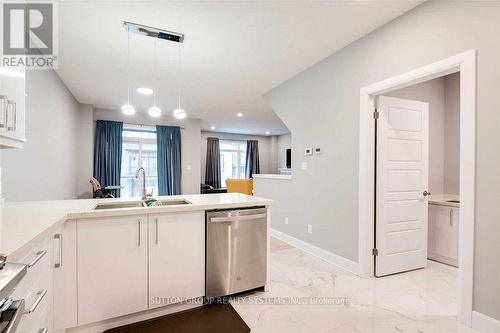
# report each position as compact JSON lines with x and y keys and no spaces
{"x":12,"y":107}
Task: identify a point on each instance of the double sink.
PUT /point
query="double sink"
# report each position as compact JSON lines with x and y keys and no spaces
{"x":142,"y":203}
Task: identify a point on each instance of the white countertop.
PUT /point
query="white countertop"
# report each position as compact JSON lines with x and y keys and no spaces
{"x":272,"y":176}
{"x":23,"y":224}
{"x":444,"y":200}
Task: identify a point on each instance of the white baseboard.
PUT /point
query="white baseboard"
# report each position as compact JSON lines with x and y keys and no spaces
{"x":332,"y":258}
{"x":485,"y":324}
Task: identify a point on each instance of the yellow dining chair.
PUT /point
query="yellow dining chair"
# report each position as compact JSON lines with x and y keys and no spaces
{"x":244,"y":186}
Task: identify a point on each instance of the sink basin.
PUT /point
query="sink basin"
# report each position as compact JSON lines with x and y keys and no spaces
{"x":116,"y":205}
{"x":173,"y":202}
{"x":454,"y":201}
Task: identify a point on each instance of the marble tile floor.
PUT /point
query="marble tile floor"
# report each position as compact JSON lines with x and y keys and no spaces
{"x":308,"y":294}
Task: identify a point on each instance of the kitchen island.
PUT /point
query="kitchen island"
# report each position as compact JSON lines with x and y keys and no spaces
{"x":101,"y":263}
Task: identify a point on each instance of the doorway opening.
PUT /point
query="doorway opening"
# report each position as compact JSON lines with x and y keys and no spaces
{"x":407,"y":126}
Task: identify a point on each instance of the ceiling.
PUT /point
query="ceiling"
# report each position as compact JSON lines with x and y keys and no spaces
{"x":232,"y":54}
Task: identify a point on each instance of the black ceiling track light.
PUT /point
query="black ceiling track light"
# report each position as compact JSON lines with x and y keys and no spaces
{"x":153,"y":32}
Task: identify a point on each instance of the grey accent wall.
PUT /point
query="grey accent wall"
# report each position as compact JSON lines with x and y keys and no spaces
{"x":284,"y":143}
{"x":266,"y":153}
{"x":47,"y":166}
{"x":452,"y":134}
{"x":190,"y":146}
{"x":321,"y":106}
{"x":85,"y":167}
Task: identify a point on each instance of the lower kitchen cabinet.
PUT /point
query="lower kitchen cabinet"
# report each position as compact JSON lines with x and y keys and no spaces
{"x":65,"y":276}
{"x":443,"y":234}
{"x":112,"y":267}
{"x":176,"y":257}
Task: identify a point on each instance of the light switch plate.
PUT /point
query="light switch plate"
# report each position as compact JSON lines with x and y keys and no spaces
{"x":308,"y":151}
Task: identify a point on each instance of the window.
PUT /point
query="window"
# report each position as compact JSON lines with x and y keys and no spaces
{"x":139,"y":149}
{"x":233,"y":155}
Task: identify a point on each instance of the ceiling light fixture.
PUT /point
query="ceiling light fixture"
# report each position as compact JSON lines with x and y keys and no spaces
{"x":179,"y":113}
{"x":154,"y":111}
{"x":212,"y":128}
{"x":267,"y":132}
{"x":128,"y":109}
{"x":144,"y":91}
{"x":239,"y":114}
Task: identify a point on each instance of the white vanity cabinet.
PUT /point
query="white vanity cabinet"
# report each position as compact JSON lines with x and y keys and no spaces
{"x":12,"y":108}
{"x":112,"y":267}
{"x":176,"y":257}
{"x":443,"y":234}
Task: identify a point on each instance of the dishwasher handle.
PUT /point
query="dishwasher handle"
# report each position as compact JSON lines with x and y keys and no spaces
{"x":237,"y":218}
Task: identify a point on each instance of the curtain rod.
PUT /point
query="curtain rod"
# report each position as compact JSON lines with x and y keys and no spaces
{"x":141,"y":125}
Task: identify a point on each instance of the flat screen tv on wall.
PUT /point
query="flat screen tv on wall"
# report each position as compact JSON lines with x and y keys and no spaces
{"x":288,"y":158}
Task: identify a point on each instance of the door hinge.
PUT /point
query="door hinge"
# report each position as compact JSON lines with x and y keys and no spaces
{"x":375,"y":252}
{"x":375,"y":114}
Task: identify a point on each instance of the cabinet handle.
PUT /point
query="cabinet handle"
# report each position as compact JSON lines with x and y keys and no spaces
{"x":14,"y":115}
{"x":39,"y":255}
{"x":41,"y":294}
{"x":59,"y":263}
{"x":156,"y":227}
{"x":139,"y":233}
{"x":451,"y":217}
{"x":3,"y":111}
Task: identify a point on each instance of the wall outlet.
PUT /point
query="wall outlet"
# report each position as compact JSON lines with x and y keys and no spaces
{"x":286,"y":220}
{"x":303,"y":165}
{"x":309,"y":229}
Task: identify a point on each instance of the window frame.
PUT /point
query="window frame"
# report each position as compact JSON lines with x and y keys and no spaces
{"x":238,"y":157}
{"x":141,"y":142}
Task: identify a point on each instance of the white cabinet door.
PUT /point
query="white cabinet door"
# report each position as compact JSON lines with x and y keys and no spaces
{"x":112,"y":267}
{"x":65,"y":276}
{"x":443,"y":234}
{"x":177,"y":257}
{"x":12,"y":108}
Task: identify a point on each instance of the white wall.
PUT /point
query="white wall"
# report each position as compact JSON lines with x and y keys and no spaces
{"x":266,"y":152}
{"x":320,"y":106}
{"x":190,"y":142}
{"x":452,"y":134}
{"x":47,"y":166}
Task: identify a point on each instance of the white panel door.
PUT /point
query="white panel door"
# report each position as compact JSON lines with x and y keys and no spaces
{"x":401,"y":179}
{"x":112,"y":267}
{"x":176,"y":257}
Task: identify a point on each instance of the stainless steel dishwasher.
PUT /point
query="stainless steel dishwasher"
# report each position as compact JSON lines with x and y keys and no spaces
{"x":236,"y":251}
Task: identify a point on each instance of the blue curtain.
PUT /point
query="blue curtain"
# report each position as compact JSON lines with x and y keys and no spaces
{"x":212,"y":170}
{"x":108,"y":153}
{"x":168,"y":140}
{"x":252,"y":164}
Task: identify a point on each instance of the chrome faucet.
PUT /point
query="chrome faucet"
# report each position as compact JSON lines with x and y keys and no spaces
{"x":141,"y":173}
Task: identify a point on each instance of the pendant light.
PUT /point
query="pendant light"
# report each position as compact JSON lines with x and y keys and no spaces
{"x":154,"y":111}
{"x":128,"y":109}
{"x":179,"y":113}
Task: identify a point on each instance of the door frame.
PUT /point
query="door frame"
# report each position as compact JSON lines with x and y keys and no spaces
{"x":465,"y":63}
